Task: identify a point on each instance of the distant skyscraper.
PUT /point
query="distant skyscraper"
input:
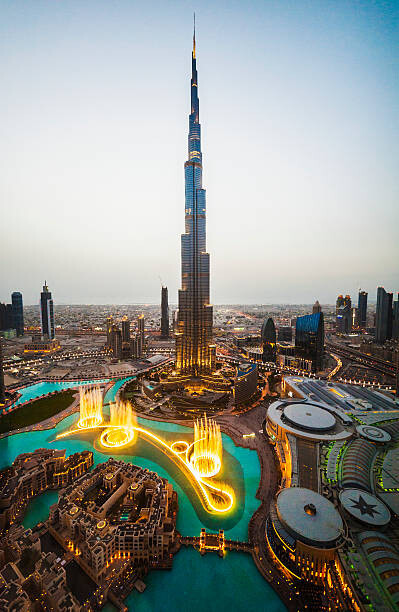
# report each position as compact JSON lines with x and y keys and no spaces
{"x":285,"y":333}
{"x":125,"y":330}
{"x":362,"y":309}
{"x":309,"y":339}
{"x":9,"y":317}
{"x":164,"y":313}
{"x":2,"y":386}
{"x":141,"y":328}
{"x":344,"y":314}
{"x":47,"y":313}
{"x":316,"y":307}
{"x":108,"y":324}
{"x":339,"y":303}
{"x":116,"y":342}
{"x":268,"y":336}
{"x":5,"y":316}
{"x":383,"y":321}
{"x":395,"y":319}
{"x":194,"y":353}
{"x":18,"y":312}
{"x":136,"y":347}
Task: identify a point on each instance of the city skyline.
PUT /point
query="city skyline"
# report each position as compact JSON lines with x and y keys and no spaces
{"x":313,"y":134}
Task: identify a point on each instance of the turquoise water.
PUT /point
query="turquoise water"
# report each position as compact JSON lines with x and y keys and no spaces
{"x":38,"y":509}
{"x":111,"y":393}
{"x":44,"y":388}
{"x":206,"y":584}
{"x":195,"y":583}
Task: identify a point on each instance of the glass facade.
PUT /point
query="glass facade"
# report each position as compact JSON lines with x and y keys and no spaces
{"x":309,"y":339}
{"x":194,"y":353}
{"x":47,"y":313}
{"x":384,"y":314}
{"x":268,"y":335}
{"x":362,"y":309}
{"x":18,"y":312}
{"x":164,"y":313}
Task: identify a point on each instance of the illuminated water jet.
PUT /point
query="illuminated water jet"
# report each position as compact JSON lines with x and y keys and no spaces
{"x":90,"y":408}
{"x":206,"y":457}
{"x":121,"y":429}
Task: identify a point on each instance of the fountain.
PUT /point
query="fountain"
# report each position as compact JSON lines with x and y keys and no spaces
{"x":91,"y":407}
{"x":122,"y":426}
{"x":206,"y":456}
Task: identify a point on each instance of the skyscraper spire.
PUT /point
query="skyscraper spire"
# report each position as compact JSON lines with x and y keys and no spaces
{"x":194,"y":354}
{"x":194,"y":38}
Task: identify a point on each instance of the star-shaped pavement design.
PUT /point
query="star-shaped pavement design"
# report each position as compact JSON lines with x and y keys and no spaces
{"x":364,"y":507}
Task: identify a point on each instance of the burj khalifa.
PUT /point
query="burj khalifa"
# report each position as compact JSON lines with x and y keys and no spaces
{"x":195,"y":354}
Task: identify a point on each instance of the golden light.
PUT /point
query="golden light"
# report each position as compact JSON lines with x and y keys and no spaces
{"x":201,"y":460}
{"x":90,"y":407}
{"x":206,"y":457}
{"x":121,"y":430}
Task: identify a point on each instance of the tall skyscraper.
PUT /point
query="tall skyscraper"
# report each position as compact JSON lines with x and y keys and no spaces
{"x":18,"y":312}
{"x":2,"y":386}
{"x":339,"y":303}
{"x":309,"y":339}
{"x":344,"y":314}
{"x":116,"y":342}
{"x":316,"y":307}
{"x":125,"y":330}
{"x":268,"y":336}
{"x":164,"y":313}
{"x":141,"y":328}
{"x":395,"y":319}
{"x":383,"y":320}
{"x":108,"y":325}
{"x":362,"y":309}
{"x":47,"y":313}
{"x":194,"y":353}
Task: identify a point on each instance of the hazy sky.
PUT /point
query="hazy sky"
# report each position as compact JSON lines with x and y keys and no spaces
{"x":299,"y":114}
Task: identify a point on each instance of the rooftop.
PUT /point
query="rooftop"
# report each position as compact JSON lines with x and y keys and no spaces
{"x":309,"y":516}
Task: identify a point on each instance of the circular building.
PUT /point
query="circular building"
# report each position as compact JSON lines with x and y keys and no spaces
{"x":303,"y":532}
{"x":374,"y":434}
{"x":365,"y":507}
{"x":309,"y":417}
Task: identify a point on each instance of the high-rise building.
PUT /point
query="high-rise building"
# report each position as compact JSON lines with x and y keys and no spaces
{"x":339,"y":303}
{"x":6,"y":318}
{"x":116,"y":342}
{"x":125,"y":330}
{"x":309,"y":339}
{"x":348,"y":301}
{"x":383,"y":320}
{"x":3,"y":316}
{"x":108,"y":324}
{"x":164,"y":313}
{"x":47,"y":313}
{"x":2,"y":386}
{"x":316,"y":307}
{"x":18,"y":312}
{"x":362,"y":309}
{"x":141,"y":328}
{"x":136,"y":347}
{"x":268,"y":337}
{"x":395,"y":319}
{"x":285,"y":333}
{"x":344,"y":314}
{"x":194,"y":353}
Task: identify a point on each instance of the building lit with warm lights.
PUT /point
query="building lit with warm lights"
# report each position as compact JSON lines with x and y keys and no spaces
{"x":119,"y":512}
{"x":194,"y":353}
